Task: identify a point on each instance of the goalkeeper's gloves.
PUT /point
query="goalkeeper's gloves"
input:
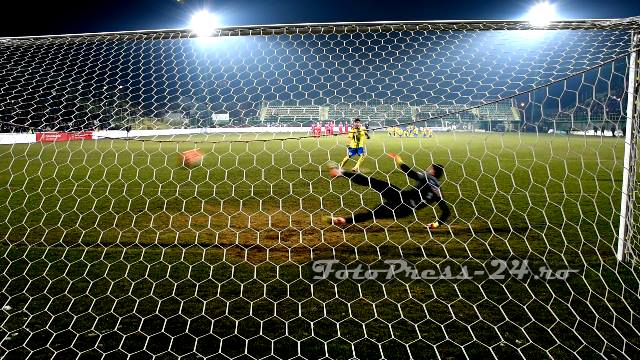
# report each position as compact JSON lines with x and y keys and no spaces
{"x":433,"y":225}
{"x":397,"y":158}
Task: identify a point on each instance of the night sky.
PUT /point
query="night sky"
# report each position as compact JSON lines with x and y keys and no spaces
{"x":84,"y":16}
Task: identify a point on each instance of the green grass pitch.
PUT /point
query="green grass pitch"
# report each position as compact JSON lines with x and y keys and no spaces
{"x":110,"y":247}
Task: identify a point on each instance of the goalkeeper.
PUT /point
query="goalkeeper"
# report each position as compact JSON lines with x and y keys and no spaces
{"x":399,"y":203}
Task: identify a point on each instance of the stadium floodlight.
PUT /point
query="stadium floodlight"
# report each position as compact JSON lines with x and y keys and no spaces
{"x":203,"y":23}
{"x":541,"y":14}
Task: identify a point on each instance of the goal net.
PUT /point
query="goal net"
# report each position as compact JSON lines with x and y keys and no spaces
{"x":112,"y":247}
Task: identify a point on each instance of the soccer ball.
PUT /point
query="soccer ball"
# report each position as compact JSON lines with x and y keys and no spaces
{"x":190,"y":158}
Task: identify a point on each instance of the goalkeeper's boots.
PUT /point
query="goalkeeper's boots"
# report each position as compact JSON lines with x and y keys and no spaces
{"x":433,"y":225}
{"x":335,"y":171}
{"x":338,"y":221}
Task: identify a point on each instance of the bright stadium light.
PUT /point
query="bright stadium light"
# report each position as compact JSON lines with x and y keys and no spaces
{"x":541,"y":14}
{"x":204,"y":23}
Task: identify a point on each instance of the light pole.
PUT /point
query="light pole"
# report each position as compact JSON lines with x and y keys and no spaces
{"x":119,"y":107}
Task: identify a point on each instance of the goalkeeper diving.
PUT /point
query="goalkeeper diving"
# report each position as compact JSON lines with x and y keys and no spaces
{"x":398,"y":202}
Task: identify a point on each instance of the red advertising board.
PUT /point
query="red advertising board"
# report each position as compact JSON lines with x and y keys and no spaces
{"x":63,"y":136}
{"x":81,"y":135}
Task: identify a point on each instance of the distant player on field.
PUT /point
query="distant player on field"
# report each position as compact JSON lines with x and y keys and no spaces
{"x":399,"y":203}
{"x":357,"y":136}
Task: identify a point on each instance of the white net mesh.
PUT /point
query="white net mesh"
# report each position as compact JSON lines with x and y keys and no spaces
{"x":114,"y":246}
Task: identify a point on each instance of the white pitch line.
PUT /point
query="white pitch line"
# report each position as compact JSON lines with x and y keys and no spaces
{"x":486,"y":194}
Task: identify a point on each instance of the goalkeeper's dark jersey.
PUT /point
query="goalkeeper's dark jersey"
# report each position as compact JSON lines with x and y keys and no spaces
{"x":425,"y":191}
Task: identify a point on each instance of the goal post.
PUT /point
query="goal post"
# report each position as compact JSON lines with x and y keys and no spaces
{"x":625,"y":250}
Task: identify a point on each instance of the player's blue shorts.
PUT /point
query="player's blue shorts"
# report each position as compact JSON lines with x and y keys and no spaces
{"x":355,"y":151}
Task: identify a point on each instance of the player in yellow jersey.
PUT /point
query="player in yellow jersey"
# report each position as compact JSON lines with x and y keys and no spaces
{"x":357,"y":136}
